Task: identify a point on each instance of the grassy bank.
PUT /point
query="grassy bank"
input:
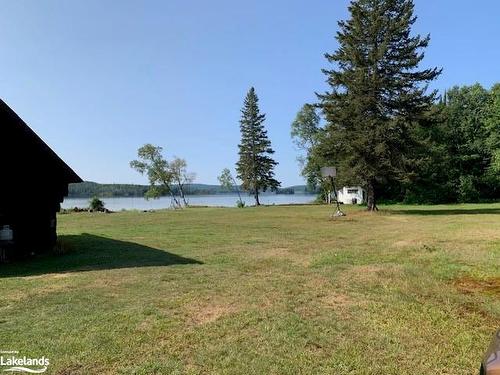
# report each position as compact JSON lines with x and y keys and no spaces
{"x":284,"y":290}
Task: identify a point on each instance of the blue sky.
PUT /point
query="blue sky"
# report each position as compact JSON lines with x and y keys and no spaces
{"x":97,"y":79}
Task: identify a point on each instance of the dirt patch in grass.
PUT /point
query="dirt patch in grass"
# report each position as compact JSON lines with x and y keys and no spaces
{"x":40,"y":291}
{"x":363,"y":274}
{"x":324,"y":295}
{"x":470,"y":285}
{"x":370,"y":276}
{"x":333,"y":302}
{"x":146,"y":325}
{"x":210,"y":311}
{"x":337,"y":300}
{"x":318,"y":284}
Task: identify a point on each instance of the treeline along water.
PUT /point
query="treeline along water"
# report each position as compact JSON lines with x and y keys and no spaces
{"x":216,"y":200}
{"x":89,"y":189}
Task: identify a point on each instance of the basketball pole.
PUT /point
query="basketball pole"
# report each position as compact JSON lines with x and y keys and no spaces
{"x":339,"y":211}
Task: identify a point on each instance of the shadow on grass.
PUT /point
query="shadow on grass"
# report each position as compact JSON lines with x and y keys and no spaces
{"x":448,"y":211}
{"x":87,"y":252}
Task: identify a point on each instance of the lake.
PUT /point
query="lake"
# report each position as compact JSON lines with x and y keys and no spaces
{"x":220,"y":200}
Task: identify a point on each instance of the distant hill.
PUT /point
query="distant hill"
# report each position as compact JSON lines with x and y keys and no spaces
{"x":89,"y":189}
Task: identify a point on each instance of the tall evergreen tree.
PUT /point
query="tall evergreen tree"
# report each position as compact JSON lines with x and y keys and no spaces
{"x":255,"y":167}
{"x":377,"y":93}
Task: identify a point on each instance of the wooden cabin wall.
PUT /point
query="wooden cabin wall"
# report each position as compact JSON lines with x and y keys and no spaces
{"x":32,"y":216}
{"x":33,"y":183}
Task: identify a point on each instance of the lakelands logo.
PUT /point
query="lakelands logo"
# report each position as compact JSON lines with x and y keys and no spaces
{"x":11,"y":361}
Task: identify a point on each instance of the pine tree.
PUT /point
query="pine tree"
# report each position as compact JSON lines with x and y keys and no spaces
{"x":255,"y":167}
{"x":377,"y":92}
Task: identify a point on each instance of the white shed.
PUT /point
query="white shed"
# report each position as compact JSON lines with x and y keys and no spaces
{"x":351,"y":195}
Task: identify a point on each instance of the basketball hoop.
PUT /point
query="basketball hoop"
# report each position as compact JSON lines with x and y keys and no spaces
{"x":331,"y":173}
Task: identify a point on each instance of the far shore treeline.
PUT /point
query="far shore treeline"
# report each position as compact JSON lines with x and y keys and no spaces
{"x":90,"y":189}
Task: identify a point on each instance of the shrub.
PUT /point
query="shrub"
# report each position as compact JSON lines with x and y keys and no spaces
{"x":96,"y":204}
{"x":240,"y":204}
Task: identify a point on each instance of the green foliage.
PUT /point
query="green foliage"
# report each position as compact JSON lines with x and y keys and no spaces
{"x":492,"y":123}
{"x":287,"y":190}
{"x":305,"y":131}
{"x":305,"y":127}
{"x":377,"y":93}
{"x":255,"y":166}
{"x":467,"y":191}
{"x":228,"y":182}
{"x":164,"y":176}
{"x":152,"y":163}
{"x":89,"y":189}
{"x":460,"y":149}
{"x":153,"y":192}
{"x":95,"y":204}
{"x":226,"y":179}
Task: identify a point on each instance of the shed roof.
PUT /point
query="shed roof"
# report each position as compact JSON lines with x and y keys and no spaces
{"x":21,"y":145}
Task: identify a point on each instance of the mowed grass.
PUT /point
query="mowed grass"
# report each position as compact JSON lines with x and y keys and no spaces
{"x":268,"y":290}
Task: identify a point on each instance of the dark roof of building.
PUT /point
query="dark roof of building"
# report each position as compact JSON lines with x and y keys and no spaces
{"x":20,"y":144}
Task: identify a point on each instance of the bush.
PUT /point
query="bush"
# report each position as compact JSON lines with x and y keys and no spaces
{"x":467,"y":191}
{"x":96,"y":204}
{"x":240,"y":204}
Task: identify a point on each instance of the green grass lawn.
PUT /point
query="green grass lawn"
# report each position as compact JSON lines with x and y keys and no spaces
{"x":269,"y":290}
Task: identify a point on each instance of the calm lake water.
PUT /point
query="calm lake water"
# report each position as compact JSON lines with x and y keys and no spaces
{"x":221,"y":200}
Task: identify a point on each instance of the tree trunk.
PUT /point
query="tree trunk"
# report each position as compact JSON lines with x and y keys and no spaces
{"x":370,"y":200}
{"x":256,"y":194}
{"x":181,"y":190}
{"x":177,"y":204}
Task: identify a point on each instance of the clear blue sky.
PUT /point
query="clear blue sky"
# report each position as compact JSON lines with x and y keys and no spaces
{"x":97,"y":79}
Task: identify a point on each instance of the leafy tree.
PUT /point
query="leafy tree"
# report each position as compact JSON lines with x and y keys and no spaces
{"x":163,"y":176}
{"x":305,"y":127}
{"x":492,"y":123}
{"x":180,"y":176}
{"x":377,"y":93}
{"x":305,"y":131}
{"x":255,"y":166}
{"x":228,"y":182}
{"x":460,"y":141}
{"x":466,"y":137}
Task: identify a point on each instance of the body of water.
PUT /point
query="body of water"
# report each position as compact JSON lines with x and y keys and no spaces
{"x":220,"y":200}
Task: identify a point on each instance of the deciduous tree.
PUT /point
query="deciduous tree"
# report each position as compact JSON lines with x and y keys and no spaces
{"x":164,"y":176}
{"x":305,"y":130}
{"x":228,"y":182}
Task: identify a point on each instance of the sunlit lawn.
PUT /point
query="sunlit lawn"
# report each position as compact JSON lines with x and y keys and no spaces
{"x":269,"y":290}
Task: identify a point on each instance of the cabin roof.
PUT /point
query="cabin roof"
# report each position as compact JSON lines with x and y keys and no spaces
{"x":17,"y":135}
